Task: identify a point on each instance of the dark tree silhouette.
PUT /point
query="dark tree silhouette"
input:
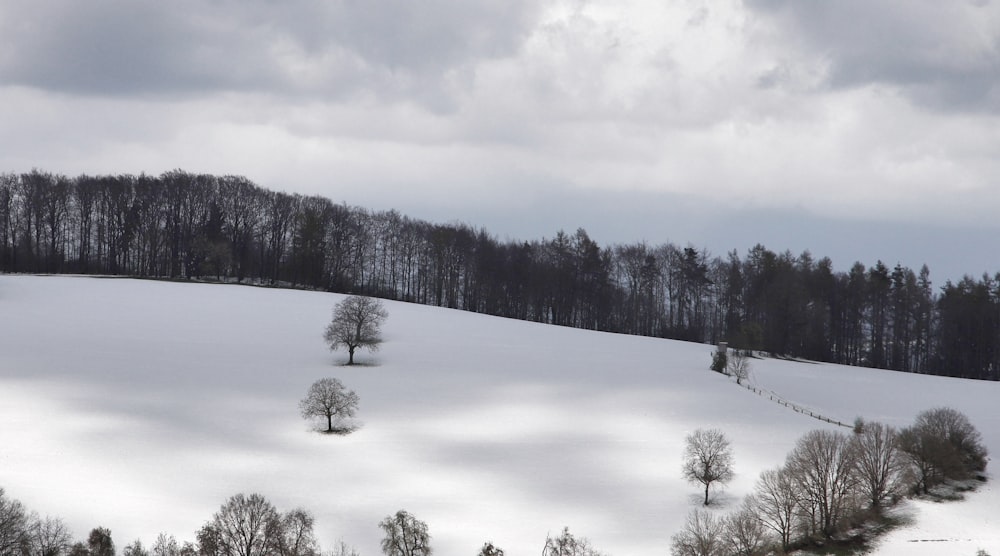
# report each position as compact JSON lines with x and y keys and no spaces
{"x":99,"y":542}
{"x":708,"y":458}
{"x":405,"y":535}
{"x":327,"y":398}
{"x":244,"y":526}
{"x":357,"y":322}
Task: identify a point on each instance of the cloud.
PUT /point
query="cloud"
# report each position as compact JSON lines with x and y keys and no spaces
{"x":333,"y":50}
{"x":945,"y":55}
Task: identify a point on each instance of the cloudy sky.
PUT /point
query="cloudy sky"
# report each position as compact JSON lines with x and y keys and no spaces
{"x":857,"y":129}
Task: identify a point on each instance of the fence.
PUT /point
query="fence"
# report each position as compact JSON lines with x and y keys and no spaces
{"x":794,"y":407}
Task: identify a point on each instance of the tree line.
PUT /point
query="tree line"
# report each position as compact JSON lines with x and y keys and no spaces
{"x":245,"y":525}
{"x":182,"y":225}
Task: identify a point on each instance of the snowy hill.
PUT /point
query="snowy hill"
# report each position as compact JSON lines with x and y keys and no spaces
{"x":141,"y":406}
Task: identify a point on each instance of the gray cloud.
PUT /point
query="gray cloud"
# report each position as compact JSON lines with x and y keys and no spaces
{"x":945,"y":55}
{"x":381,"y":47}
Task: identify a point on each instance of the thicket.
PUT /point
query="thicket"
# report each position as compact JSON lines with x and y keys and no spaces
{"x":194,"y":226}
{"x":835,"y":487}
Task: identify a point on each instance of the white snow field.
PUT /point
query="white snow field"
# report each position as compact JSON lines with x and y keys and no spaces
{"x":141,"y":406}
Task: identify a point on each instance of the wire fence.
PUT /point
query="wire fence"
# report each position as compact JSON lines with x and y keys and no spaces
{"x":793,"y":406}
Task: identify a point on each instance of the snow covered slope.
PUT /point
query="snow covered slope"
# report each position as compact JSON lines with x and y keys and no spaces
{"x":141,"y":406}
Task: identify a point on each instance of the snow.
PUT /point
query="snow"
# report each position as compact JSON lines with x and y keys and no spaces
{"x":141,"y":406}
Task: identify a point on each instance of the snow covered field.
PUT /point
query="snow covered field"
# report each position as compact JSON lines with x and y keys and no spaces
{"x":141,"y":406}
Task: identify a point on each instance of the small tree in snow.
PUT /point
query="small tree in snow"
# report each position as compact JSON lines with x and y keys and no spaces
{"x":357,"y":322}
{"x":738,"y":366}
{"x":327,"y":398}
{"x":708,"y":458}
{"x":719,"y":361}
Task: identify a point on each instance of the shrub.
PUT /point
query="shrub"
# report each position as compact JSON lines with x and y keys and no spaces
{"x":719,"y":361}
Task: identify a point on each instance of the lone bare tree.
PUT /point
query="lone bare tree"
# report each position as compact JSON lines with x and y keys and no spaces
{"x":708,"y":458}
{"x":405,"y":535}
{"x":357,"y":322}
{"x":328,"y":398}
{"x":738,"y":365}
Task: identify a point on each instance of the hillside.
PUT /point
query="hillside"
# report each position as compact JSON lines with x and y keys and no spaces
{"x":141,"y":406}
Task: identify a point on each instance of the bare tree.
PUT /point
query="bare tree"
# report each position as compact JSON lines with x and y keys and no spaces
{"x":744,"y":532}
{"x":738,"y":365}
{"x":328,"y":398}
{"x":405,"y":535}
{"x":165,"y":545}
{"x":343,"y":549}
{"x":245,"y":526}
{"x":13,"y":524}
{"x":568,"y":545}
{"x":708,"y":458}
{"x":357,"y":322}
{"x":880,"y":465}
{"x":822,"y":467}
{"x":775,"y":502}
{"x":47,"y":537}
{"x":701,"y":536}
{"x":295,"y":537}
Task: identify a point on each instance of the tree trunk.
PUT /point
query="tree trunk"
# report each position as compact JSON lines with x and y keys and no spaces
{"x":350,"y":355}
{"x":706,"y":493}
{"x":329,"y":423}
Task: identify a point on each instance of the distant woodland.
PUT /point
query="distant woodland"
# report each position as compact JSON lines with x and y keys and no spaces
{"x":202,"y":227}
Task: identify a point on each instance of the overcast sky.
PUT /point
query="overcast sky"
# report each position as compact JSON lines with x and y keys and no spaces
{"x":858,"y":129}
